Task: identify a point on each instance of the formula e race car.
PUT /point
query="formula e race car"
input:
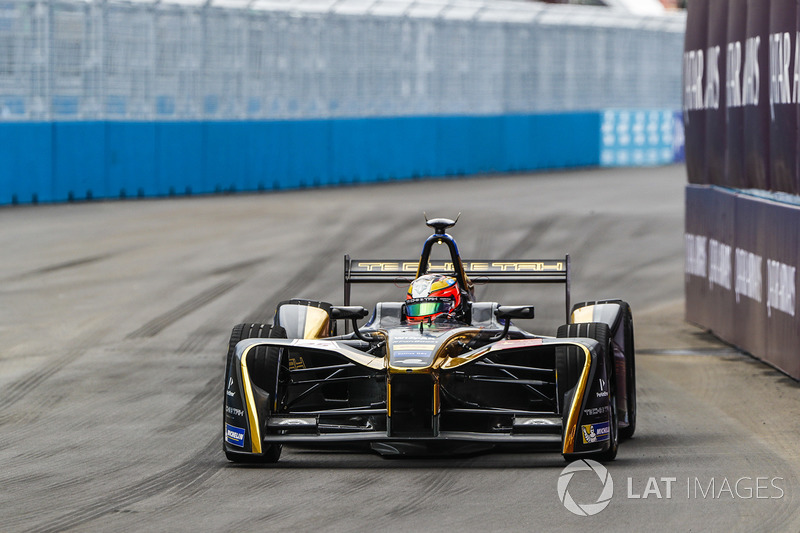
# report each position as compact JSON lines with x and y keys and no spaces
{"x":436,"y":373}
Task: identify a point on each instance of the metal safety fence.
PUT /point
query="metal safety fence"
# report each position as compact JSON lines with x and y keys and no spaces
{"x":66,"y":60}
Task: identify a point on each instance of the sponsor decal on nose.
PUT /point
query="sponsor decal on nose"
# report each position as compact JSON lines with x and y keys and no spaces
{"x":234,"y":435}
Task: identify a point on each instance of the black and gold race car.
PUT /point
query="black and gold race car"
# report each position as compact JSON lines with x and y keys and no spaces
{"x":436,"y":373}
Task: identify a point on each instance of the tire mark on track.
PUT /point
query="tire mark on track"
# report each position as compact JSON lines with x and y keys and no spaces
{"x":591,"y":231}
{"x":63,"y":266}
{"x":18,"y":390}
{"x":280,"y":511}
{"x":433,"y":484}
{"x":528,"y":241}
{"x":158,"y":324}
{"x":199,"y":408}
{"x":236,"y":267}
{"x":483,"y":245}
{"x":280,"y":514}
{"x":201,"y":338}
{"x":389,"y":234}
{"x":613,"y":279}
{"x":184,"y":478}
{"x":363,"y":482}
{"x":26,"y":477}
{"x":204,"y":402}
{"x":263,"y":313}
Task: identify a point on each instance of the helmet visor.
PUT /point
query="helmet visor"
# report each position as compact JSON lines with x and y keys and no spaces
{"x":428,"y":306}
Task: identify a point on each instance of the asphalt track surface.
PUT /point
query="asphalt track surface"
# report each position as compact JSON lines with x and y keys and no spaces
{"x":115,"y":319}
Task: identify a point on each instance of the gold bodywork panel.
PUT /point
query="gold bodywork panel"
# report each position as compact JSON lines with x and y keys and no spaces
{"x":441,"y":350}
{"x":583,"y":315}
{"x":252,"y":415}
{"x":464,"y":358}
{"x":577,"y":401}
{"x":317,"y":323}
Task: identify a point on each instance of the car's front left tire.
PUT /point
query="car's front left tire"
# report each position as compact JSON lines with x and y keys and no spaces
{"x":265,"y":365}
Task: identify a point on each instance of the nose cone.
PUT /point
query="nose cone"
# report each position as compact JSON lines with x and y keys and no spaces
{"x":411,"y":350}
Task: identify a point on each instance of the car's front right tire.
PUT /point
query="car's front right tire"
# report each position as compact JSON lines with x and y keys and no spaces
{"x":598,"y":331}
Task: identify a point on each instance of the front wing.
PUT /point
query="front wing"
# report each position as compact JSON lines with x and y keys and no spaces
{"x":550,"y":393}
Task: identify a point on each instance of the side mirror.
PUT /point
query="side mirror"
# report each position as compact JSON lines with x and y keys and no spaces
{"x":514,"y":311}
{"x":354,"y":312}
{"x":504,"y":312}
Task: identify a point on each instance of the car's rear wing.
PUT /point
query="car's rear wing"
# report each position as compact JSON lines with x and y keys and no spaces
{"x":487,"y":271}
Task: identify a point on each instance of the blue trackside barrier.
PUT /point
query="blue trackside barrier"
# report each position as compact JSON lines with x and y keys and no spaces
{"x":78,"y":154}
{"x":73,"y":161}
{"x":65,"y":161}
{"x":131,"y":159}
{"x":26,"y":162}
{"x":178,"y":165}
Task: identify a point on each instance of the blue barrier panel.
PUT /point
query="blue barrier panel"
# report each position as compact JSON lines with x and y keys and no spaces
{"x":309,"y":153}
{"x":179,"y":157}
{"x":355,"y":153}
{"x":79,"y":160}
{"x":385,"y":156}
{"x":419,"y":140}
{"x":225,"y":156}
{"x":131,"y":159}
{"x":277,"y":154}
{"x":566,"y":140}
{"x":266,"y":159}
{"x":517,"y":146}
{"x":386,"y":148}
{"x":26,"y":162}
{"x":485,"y":147}
{"x":470,"y":145}
{"x":397,"y":146}
{"x":453,"y":146}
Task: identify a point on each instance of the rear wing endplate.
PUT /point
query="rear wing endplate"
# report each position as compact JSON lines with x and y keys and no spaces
{"x":488,"y":271}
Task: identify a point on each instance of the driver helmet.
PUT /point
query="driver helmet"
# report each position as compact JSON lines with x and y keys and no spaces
{"x":431,"y":296}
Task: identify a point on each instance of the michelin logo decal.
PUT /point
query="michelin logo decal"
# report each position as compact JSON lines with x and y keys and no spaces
{"x":595,"y":432}
{"x":234,"y":435}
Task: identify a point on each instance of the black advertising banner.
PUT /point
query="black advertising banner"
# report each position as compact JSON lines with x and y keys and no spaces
{"x":797,"y":104}
{"x":708,"y":273}
{"x":742,"y":106}
{"x":714,"y":94}
{"x":734,"y":63}
{"x":740,"y":273}
{"x":695,"y":265}
{"x":749,"y":320}
{"x":782,"y":110}
{"x":781,"y":235}
{"x":721,"y":236}
{"x":755,"y":95}
{"x":694,"y":116}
